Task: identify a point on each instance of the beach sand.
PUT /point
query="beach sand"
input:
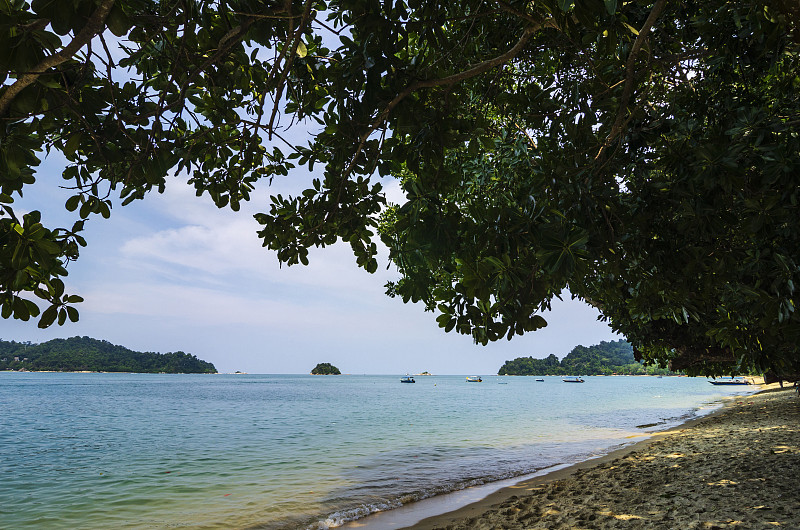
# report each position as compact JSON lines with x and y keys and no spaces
{"x":736,"y":468}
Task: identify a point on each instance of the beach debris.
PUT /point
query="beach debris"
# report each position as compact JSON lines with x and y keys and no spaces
{"x":626,"y":516}
{"x":723,"y":482}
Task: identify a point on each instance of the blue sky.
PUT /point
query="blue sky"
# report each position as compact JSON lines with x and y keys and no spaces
{"x":173,"y":272}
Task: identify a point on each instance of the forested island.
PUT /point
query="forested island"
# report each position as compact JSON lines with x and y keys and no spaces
{"x":85,"y":354}
{"x":325,"y":369}
{"x":606,"y":358}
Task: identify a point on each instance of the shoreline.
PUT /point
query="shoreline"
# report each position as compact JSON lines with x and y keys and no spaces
{"x":502,"y":504}
{"x":734,"y":467}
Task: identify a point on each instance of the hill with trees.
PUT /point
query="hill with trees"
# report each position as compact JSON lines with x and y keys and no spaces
{"x":78,"y":354}
{"x":605,"y":358}
{"x":641,"y":156}
{"x":325,"y":369}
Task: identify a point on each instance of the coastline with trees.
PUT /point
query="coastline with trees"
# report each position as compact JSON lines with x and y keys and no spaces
{"x":606,"y":358}
{"x":85,"y":354}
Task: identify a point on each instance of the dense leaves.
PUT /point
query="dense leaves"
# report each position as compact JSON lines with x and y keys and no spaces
{"x":87,"y":354}
{"x":641,"y":156}
{"x":662,"y":190}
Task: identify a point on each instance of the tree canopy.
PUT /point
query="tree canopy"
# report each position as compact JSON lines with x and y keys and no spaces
{"x":325,"y":369}
{"x":606,"y":358}
{"x":641,"y":155}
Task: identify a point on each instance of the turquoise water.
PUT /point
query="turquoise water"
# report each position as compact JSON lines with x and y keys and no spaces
{"x":290,"y":451}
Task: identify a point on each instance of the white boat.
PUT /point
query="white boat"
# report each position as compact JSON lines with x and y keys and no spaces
{"x":407,"y":379}
{"x":730,"y":381}
{"x":474,"y":379}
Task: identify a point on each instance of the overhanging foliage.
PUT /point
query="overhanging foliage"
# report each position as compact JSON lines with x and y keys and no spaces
{"x":642,"y":155}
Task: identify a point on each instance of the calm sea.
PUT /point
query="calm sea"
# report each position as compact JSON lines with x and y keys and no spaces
{"x":289,"y":451}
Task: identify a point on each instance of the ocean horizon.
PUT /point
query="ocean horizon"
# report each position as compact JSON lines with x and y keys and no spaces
{"x":277,"y":451}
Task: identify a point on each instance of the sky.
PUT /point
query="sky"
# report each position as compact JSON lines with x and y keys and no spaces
{"x":174,"y":273}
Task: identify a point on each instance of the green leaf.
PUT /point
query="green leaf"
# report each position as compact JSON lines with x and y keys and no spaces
{"x":21,"y":311}
{"x":633,"y":30}
{"x":48,"y":316}
{"x":72,"y":144}
{"x":611,"y":6}
{"x":72,"y":203}
{"x":117,"y":22}
{"x":33,"y":309}
{"x":86,"y":209}
{"x":105,"y":209}
{"x":19,"y":258}
{"x":58,"y":287}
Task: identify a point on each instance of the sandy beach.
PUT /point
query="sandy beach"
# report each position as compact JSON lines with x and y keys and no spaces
{"x":737,"y":468}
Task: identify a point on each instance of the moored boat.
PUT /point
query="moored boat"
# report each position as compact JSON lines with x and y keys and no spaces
{"x":574,"y":380}
{"x":731,"y":382}
{"x":407,"y":379}
{"x":474,"y":379}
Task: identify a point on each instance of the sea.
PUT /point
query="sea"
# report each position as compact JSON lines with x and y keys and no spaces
{"x":101,"y":450}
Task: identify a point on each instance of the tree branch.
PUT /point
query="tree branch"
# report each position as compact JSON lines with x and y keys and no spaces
{"x":37,"y":25}
{"x":508,"y":8}
{"x":296,"y":39}
{"x":94,"y":25}
{"x":445,"y":81}
{"x":627,"y":91}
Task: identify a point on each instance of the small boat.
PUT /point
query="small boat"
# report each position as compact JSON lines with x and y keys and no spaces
{"x":731,"y":382}
{"x":573,"y":380}
{"x":407,"y":379}
{"x":474,"y":379}
{"x":540,"y":380}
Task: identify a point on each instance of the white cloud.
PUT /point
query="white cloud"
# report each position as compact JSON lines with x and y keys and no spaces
{"x":174,"y":272}
{"x":200,"y":305}
{"x":394,"y":193}
{"x":223,"y":248}
{"x":215,"y":244}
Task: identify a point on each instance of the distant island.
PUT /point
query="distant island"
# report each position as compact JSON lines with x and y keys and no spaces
{"x":325,"y":369}
{"x":85,"y":354}
{"x":606,"y":358}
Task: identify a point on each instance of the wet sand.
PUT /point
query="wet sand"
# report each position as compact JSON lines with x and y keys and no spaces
{"x":736,"y":468}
